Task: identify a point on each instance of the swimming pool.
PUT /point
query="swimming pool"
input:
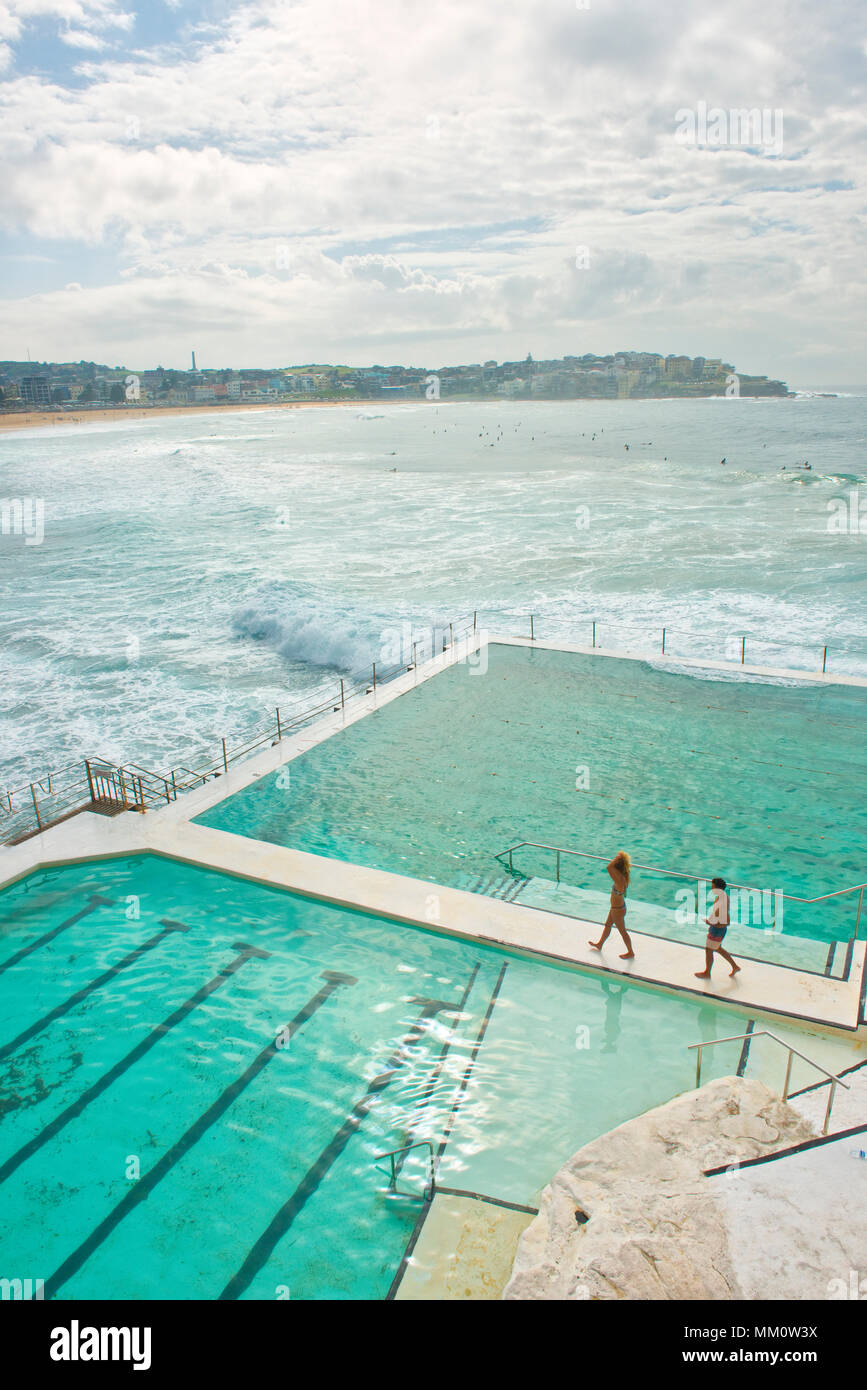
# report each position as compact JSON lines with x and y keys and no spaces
{"x":199,"y":1072}
{"x":701,"y":772}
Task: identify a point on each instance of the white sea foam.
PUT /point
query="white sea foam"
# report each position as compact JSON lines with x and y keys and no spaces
{"x":188,"y":583}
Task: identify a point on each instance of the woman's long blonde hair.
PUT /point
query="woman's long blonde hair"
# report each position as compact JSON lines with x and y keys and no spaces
{"x":623,"y":863}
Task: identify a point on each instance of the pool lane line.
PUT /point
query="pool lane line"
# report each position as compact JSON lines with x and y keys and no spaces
{"x":144,"y":1186}
{"x":805,"y":1144}
{"x":77,"y":1106}
{"x":411,"y":1134}
{"x":423,"y":1214}
{"x":261,"y":1252}
{"x":745,"y":1050}
{"x":470,"y":1065}
{"x":167,"y":927}
{"x":817,"y":1085}
{"x":96,"y":901}
{"x":490,"y":1201}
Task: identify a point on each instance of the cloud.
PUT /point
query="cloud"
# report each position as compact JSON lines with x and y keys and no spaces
{"x":276,"y":151}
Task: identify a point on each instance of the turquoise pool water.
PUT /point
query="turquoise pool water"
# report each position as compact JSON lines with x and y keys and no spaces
{"x":708,"y":774}
{"x":157,"y":1142}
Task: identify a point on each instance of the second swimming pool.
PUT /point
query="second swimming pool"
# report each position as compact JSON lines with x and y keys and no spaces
{"x":197,"y":1075}
{"x":759,"y":781}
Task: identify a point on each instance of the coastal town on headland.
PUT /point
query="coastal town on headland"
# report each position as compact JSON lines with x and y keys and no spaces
{"x":63,"y":387}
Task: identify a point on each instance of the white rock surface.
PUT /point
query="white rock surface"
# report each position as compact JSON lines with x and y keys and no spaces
{"x":656,"y":1228}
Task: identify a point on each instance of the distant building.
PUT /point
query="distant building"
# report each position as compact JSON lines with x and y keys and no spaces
{"x":678,"y":366}
{"x":35,"y":390}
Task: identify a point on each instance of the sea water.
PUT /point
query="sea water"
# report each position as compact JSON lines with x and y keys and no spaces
{"x":197,"y":570}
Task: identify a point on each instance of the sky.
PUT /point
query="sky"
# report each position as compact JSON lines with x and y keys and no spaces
{"x":284,"y":181}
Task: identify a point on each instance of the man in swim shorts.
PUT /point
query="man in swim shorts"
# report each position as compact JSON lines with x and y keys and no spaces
{"x":717,"y":926}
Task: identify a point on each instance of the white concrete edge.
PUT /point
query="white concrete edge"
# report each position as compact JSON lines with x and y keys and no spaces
{"x":772,"y":991}
{"x":220,"y":787}
{"x":658,"y":658}
{"x":88,"y":836}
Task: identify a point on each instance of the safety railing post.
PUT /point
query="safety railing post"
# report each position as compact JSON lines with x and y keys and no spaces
{"x":532,"y":633}
{"x":785,"y":1095}
{"x":663,"y":641}
{"x":832,"y":1091}
{"x":475,"y":616}
{"x":743,"y":649}
{"x":35,"y":806}
{"x":593,"y":643}
{"x":374,"y":675}
{"x":558,"y":866}
{"x":824,"y":659}
{"x":858,"y":913}
{"x":342,"y":696}
{"x":225,"y":759}
{"x":89,"y":779}
{"x":698,"y":1067}
{"x":279,"y":730}
{"x":122,"y":788}
{"x":174,"y":787}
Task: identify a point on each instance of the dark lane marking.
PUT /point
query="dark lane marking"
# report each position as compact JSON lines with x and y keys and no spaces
{"x":72,"y":1111}
{"x":191,"y":1136}
{"x":490,"y":1201}
{"x":411,"y":1135}
{"x":95,"y":902}
{"x":745,"y":1050}
{"x":847,"y":963}
{"x":472,"y":1062}
{"x":76,"y":998}
{"x":401,"y":1269}
{"x":262,"y":1250}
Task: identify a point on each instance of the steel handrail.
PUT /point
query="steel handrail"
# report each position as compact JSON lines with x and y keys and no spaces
{"x":666,"y":631}
{"x":407,"y":1148}
{"x":834,"y":1079}
{"x":679,"y":873}
{"x":79,"y":792}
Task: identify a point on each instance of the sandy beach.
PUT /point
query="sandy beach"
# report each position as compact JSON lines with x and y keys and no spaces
{"x":46,"y":419}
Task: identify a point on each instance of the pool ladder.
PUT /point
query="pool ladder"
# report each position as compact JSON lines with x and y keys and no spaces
{"x":834,"y":1080}
{"x":392,"y":1154}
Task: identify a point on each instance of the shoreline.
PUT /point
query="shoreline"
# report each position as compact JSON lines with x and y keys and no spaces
{"x":36,"y":419}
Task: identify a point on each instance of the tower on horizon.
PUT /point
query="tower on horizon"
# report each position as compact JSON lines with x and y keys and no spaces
{"x":194,"y":361}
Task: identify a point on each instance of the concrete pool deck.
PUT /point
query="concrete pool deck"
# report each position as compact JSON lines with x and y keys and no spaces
{"x":761,"y":987}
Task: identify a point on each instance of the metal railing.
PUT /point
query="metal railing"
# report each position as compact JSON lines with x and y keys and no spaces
{"x":99,"y":783}
{"x":792,"y":1051}
{"x":45,"y":800}
{"x":734,"y":650}
{"x":400,"y":1153}
{"x":777,"y":897}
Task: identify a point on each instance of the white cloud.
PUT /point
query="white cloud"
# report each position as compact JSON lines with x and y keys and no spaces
{"x":421,"y":175}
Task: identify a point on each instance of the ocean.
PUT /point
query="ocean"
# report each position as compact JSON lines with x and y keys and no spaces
{"x":183,"y":576}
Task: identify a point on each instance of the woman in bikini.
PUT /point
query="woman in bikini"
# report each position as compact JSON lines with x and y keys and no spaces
{"x":619,"y":872}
